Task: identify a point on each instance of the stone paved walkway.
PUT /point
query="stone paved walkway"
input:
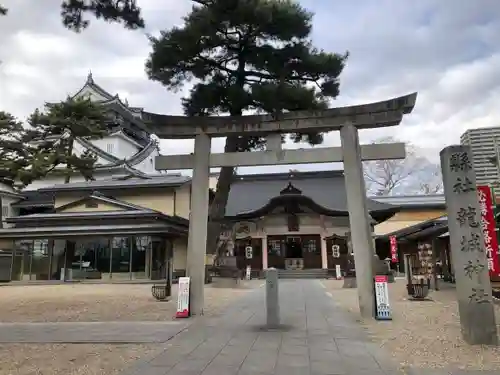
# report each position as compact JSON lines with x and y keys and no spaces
{"x":317,"y":338}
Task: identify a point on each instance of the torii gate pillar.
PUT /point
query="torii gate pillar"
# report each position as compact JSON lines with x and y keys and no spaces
{"x":359,"y":221}
{"x":198,"y":222}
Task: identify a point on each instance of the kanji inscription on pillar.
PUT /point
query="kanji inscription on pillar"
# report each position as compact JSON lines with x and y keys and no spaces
{"x":477,"y":316}
{"x":472,"y":243}
{"x":463,"y":185}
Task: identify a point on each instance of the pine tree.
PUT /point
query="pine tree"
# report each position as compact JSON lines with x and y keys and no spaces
{"x":19,"y":161}
{"x":120,"y":11}
{"x":245,"y":55}
{"x":58,"y":129}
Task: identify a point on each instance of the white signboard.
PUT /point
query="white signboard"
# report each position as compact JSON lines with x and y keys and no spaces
{"x":382,"y":298}
{"x":249,"y":252}
{"x":183,"y":298}
{"x":249,"y":273}
{"x":338,"y":273}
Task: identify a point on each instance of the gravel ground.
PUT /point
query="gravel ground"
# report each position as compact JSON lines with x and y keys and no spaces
{"x":422,"y":334}
{"x":96,"y":302}
{"x":103,"y":302}
{"x":70,"y":359}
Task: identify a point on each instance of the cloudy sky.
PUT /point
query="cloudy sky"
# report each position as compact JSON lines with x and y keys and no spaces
{"x":447,"y":50}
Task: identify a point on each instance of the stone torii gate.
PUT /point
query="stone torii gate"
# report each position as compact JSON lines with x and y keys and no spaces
{"x":347,"y":120}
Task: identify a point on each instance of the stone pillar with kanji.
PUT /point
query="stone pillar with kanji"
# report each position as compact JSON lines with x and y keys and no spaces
{"x":477,"y":315}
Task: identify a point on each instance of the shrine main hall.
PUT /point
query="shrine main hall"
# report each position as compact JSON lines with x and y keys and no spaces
{"x":293,"y":220}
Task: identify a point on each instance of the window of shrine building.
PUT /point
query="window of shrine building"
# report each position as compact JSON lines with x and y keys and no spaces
{"x":311,"y":246}
{"x":274,"y":247}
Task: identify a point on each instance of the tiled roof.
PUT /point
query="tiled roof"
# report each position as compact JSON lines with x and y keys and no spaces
{"x":413,"y":200}
{"x":251,"y":192}
{"x":162,"y":181}
{"x":35,"y":198}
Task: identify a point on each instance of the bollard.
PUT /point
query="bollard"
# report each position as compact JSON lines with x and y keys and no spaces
{"x":272,"y":298}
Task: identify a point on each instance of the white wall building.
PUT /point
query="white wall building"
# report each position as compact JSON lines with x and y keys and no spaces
{"x":7,"y":197}
{"x":127,"y":150}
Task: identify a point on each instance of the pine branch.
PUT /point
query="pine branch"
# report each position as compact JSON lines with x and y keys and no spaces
{"x":126,"y":12}
{"x":247,"y":55}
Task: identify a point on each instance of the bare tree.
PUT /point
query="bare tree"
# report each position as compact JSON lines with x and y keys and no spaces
{"x":413,"y":175}
{"x":431,"y":182}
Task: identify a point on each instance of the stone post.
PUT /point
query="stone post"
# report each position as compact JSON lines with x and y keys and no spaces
{"x":264,"y":253}
{"x":477,"y":316}
{"x":198,"y":221}
{"x":272,"y":298}
{"x":361,"y":235}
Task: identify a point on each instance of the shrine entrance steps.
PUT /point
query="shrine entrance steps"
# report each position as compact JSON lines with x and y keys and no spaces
{"x":303,"y":274}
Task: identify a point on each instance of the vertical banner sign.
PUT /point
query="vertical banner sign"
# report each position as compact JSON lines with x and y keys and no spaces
{"x":495,"y":213}
{"x":394,"y":249}
{"x":382,"y":298}
{"x":183,"y":298}
{"x":338,"y":273}
{"x":488,"y":227}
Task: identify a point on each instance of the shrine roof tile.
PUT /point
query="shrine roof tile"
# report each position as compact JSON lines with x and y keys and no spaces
{"x":160,"y":181}
{"x":327,"y":189}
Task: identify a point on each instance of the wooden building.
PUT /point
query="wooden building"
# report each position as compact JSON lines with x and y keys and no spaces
{"x":420,"y":247}
{"x":293,"y":220}
{"x":121,"y":229}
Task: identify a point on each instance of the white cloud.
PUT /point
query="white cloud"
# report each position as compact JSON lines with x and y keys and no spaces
{"x":447,"y":50}
{"x":39,"y":46}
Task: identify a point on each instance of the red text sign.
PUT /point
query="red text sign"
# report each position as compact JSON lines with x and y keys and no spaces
{"x":488,"y":225}
{"x":394,"y":249}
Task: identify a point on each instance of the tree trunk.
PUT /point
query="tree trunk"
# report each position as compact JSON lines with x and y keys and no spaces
{"x":217,"y":209}
{"x":69,"y":251}
{"x":67,"y":178}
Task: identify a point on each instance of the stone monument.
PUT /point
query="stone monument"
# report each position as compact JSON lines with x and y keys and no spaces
{"x":272,"y":298}
{"x":475,"y":305}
